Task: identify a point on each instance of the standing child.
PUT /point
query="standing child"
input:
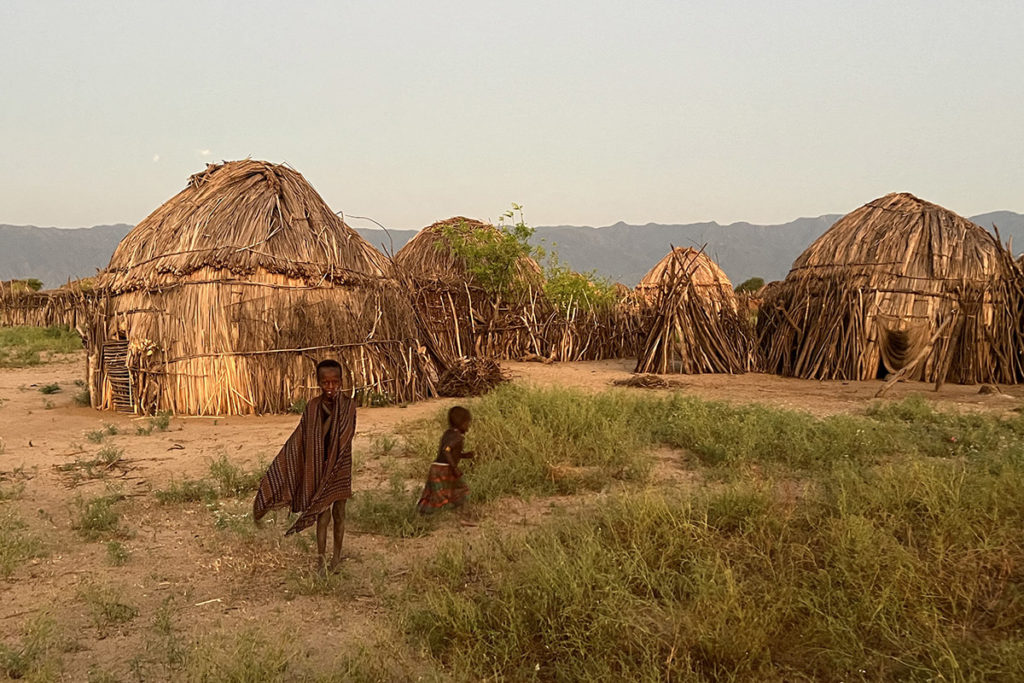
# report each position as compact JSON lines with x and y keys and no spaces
{"x":312,"y":475}
{"x":444,"y":480}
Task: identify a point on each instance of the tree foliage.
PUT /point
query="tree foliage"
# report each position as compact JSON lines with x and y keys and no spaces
{"x":566,"y":288}
{"x":493,"y":258}
{"x":750,"y":286}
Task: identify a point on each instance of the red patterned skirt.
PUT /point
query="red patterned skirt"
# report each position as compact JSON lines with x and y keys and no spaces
{"x":444,"y":487}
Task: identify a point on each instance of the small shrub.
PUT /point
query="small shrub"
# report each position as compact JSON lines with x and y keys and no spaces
{"x":107,"y":607}
{"x":49,"y":388}
{"x":750,"y":285}
{"x":188,"y":491}
{"x":37,"y":656}
{"x":98,"y":517}
{"x":298,"y":406}
{"x":83,"y":397}
{"x":161,"y":421}
{"x":48,"y":404}
{"x":235,"y":480}
{"x":117,"y":553}
{"x":391,"y":512}
{"x":16,"y":545}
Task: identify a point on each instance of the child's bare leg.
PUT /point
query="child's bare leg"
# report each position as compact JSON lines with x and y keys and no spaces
{"x":322,"y":521}
{"x":338,"y":511}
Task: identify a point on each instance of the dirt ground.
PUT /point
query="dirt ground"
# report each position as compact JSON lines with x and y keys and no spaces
{"x":215,"y":581}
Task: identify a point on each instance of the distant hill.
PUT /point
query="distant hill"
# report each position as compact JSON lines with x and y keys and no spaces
{"x":620,"y":251}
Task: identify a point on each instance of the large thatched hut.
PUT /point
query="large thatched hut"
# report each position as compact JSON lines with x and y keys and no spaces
{"x":690,"y":318}
{"x":222,"y":299}
{"x":460,"y":314}
{"x":898,"y":286}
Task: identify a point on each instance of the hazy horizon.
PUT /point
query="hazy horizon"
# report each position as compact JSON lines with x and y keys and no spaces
{"x":584,"y":113}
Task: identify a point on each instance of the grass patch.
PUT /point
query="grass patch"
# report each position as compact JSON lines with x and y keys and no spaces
{"x":100,"y":435}
{"x":886,"y":572}
{"x":159,"y":422}
{"x":106,"y":608}
{"x":49,"y":389}
{"x":37,"y":655}
{"x":98,"y":518}
{"x":16,"y":545}
{"x":242,"y":657}
{"x":23,"y":346}
{"x":534,"y":442}
{"x":298,"y":406}
{"x":117,"y":554}
{"x":226,"y":479}
{"x":97,"y":467}
{"x":390,"y":512}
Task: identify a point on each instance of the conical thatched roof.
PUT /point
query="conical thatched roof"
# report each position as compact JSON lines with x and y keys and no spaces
{"x":704,"y":274}
{"x":240,"y":217}
{"x":901,"y":236}
{"x":428,"y":256}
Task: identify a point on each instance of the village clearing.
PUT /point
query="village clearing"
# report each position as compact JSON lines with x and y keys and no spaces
{"x":732,"y":527}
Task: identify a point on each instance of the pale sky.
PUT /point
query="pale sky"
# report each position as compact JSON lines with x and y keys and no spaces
{"x":585,"y":112}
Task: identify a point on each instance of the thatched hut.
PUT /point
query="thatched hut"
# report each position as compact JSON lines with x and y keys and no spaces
{"x":706,"y":278}
{"x":222,"y":299}
{"x":691,"y":319}
{"x":462,"y":316}
{"x":898,"y":286}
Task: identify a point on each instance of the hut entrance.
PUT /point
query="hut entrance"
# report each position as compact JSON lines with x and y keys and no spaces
{"x":898,"y":348}
{"x":115,"y":369}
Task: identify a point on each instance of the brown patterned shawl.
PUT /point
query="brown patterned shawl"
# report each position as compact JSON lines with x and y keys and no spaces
{"x":301,"y":476}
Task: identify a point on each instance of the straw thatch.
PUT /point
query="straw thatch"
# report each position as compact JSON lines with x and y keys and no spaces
{"x":704,"y":275}
{"x":898,"y":286}
{"x":222,"y":299}
{"x":458,"y":316}
{"x":690,"y":312}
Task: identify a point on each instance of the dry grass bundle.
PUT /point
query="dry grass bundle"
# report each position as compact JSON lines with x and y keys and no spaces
{"x":471,"y":377}
{"x":648,"y":382}
{"x":223,"y":298}
{"x":898,"y":286}
{"x":694,"y":325}
{"x":458,"y":315}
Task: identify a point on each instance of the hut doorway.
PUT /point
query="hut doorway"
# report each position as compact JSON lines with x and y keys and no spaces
{"x":116,"y":373}
{"x":899,"y":347}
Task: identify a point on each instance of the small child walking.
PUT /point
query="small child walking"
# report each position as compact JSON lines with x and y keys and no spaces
{"x":444,"y":486}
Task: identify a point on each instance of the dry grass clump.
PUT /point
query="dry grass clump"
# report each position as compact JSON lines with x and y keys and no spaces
{"x":471,"y":377}
{"x":648,"y":382}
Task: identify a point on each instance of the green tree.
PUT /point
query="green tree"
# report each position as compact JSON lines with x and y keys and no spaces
{"x":493,"y":257}
{"x":565,"y":287}
{"x":750,"y":286}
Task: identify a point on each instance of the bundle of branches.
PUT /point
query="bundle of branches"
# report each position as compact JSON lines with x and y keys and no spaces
{"x":688,"y":333}
{"x":648,"y":382}
{"x":471,"y":377}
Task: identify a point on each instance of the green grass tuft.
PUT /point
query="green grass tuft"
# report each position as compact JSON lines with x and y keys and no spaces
{"x":49,"y":389}
{"x":17,"y":546}
{"x":24,"y":346}
{"x":390,"y":512}
{"x":117,"y":554}
{"x":98,"y":518}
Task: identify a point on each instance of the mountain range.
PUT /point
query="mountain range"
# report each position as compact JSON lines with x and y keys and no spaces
{"x":620,"y":252}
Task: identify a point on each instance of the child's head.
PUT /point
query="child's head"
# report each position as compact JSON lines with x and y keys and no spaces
{"x":459,"y":418}
{"x":328,"y":377}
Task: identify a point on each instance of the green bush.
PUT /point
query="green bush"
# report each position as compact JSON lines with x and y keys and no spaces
{"x":23,"y":346}
{"x":492,"y":257}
